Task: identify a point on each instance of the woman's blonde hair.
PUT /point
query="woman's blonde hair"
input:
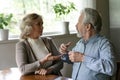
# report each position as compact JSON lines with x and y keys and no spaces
{"x":26,"y":24}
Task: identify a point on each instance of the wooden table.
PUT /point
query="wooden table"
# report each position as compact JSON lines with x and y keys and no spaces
{"x":14,"y":74}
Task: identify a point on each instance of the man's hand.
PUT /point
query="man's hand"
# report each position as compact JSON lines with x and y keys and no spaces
{"x":75,"y":56}
{"x":63,"y":47}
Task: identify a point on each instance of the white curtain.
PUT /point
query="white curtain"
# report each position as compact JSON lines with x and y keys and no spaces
{"x":88,"y":3}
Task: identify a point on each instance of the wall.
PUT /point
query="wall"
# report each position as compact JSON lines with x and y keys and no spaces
{"x":7,"y":52}
{"x":103,"y":7}
{"x":110,"y":12}
{"x":115,"y":24}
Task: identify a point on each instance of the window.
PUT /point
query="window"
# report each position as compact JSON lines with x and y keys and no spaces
{"x":19,"y":8}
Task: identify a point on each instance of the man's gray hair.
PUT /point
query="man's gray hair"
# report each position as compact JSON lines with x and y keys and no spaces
{"x":91,"y":16}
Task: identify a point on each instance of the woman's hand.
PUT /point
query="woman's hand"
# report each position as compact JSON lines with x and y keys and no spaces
{"x":46,"y":58}
{"x":43,"y":72}
{"x":52,"y":58}
{"x":49,"y":57}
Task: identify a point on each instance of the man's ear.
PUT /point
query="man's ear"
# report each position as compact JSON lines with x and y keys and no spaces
{"x":88,"y":27}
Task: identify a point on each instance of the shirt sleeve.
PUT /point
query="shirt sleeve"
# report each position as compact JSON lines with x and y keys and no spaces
{"x":106,"y":63}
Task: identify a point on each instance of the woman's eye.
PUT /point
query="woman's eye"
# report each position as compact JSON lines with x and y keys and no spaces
{"x":38,"y":23}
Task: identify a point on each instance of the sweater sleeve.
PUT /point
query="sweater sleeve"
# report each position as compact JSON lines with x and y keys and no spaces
{"x":22,"y":61}
{"x":58,"y":64}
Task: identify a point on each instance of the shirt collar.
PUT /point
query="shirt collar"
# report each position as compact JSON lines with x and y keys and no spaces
{"x":91,"y":39}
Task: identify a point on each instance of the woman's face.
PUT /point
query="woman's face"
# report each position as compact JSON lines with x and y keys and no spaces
{"x":37,"y":29}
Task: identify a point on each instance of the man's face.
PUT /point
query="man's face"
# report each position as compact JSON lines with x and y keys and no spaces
{"x":80,"y":26}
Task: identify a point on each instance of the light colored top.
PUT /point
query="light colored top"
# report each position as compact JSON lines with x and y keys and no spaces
{"x":39,"y":50}
{"x":99,"y":61}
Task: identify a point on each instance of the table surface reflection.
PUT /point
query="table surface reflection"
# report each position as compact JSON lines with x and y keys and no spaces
{"x":14,"y":74}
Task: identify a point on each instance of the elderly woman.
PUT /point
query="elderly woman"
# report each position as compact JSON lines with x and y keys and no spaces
{"x":35,"y":54}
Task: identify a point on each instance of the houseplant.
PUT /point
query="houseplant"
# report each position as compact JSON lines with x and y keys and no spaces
{"x":61,"y":12}
{"x":5,"y":20}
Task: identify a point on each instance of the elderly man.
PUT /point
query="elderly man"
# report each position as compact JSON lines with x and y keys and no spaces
{"x":93,"y":56}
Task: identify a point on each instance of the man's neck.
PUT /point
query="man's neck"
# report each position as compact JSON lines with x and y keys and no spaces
{"x":88,"y":35}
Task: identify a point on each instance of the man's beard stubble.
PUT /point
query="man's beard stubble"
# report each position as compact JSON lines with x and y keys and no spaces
{"x":79,"y":35}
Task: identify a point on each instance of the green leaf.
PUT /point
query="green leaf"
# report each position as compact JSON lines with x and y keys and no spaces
{"x":61,"y":10}
{"x":5,"y":20}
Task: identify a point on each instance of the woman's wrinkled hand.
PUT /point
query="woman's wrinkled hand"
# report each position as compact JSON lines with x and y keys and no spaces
{"x":43,"y":72}
{"x":50,"y":57}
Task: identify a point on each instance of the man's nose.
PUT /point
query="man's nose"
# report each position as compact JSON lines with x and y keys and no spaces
{"x":76,"y":25}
